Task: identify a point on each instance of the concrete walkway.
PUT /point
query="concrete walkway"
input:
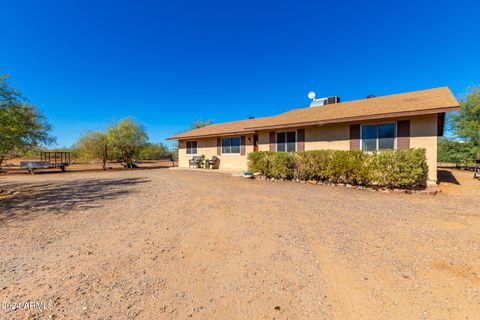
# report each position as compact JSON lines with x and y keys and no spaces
{"x":233,"y":172}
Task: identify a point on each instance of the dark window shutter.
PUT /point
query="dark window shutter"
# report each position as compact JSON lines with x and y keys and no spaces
{"x":219,"y":146}
{"x":272,"y":141}
{"x":403,"y":134}
{"x":355,"y":137}
{"x":300,"y":140}
{"x":242,"y":145}
{"x":440,"y":124}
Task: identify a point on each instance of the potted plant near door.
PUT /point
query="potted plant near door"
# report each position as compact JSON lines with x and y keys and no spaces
{"x":201,"y":161}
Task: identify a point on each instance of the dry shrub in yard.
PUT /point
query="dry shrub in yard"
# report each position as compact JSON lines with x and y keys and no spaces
{"x":405,"y":169}
{"x":400,"y":168}
{"x":283,"y":165}
{"x":260,"y":162}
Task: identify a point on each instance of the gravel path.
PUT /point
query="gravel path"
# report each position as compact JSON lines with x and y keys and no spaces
{"x":168,"y":244}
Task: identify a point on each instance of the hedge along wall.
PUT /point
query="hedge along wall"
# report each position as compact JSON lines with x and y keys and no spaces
{"x":406,"y":169}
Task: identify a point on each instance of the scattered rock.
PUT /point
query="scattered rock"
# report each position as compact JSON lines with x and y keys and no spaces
{"x":197,"y":309}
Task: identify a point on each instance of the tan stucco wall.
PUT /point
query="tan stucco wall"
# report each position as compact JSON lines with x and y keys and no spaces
{"x":333,"y":137}
{"x":208,"y":147}
{"x":423,"y":134}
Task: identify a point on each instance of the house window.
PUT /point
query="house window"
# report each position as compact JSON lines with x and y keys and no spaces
{"x":286,"y":141}
{"x":231,"y":145}
{"x":191,"y":147}
{"x":378,"y":136}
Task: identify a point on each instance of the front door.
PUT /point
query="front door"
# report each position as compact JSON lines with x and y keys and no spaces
{"x":255,"y":142}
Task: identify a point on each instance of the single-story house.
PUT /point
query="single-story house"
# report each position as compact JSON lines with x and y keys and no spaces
{"x":398,"y":121}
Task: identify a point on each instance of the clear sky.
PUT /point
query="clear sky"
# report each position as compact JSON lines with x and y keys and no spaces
{"x":167,"y":63}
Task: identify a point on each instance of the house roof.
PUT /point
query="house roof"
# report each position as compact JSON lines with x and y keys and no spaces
{"x":225,"y":128}
{"x":438,"y":100}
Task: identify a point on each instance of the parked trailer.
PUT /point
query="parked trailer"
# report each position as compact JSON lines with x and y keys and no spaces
{"x":48,"y":160}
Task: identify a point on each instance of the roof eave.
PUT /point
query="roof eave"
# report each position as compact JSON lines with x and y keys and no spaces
{"x":225,"y":134}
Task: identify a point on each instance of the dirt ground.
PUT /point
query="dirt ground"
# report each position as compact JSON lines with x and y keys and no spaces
{"x":13,"y":166}
{"x":169,"y":244}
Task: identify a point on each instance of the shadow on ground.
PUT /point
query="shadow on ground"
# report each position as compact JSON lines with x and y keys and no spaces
{"x":58,"y":197}
{"x":19,"y":171}
{"x":446,"y":176}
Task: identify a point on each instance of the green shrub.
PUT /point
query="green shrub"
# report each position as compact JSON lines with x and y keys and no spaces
{"x":311,"y":165}
{"x":338,"y":167}
{"x":260,"y":162}
{"x":283,"y":165}
{"x":390,"y":168}
{"x":350,"y":167}
{"x":400,"y":168}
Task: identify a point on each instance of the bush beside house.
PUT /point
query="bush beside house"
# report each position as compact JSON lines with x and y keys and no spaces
{"x":404,"y":169}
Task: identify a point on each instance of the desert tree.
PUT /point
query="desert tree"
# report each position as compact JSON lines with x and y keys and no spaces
{"x":93,"y":145}
{"x":454,"y":151}
{"x":154,"y":151}
{"x":125,"y":140}
{"x":22,"y":126}
{"x":200,"y":123}
{"x":466,"y":123}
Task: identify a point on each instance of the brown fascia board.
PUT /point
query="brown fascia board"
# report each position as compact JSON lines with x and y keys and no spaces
{"x":210,"y":135}
{"x":360,"y":118}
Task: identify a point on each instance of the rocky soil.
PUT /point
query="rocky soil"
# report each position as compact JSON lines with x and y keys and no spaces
{"x":169,"y":244}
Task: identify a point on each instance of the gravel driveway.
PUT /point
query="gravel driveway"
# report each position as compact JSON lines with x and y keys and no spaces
{"x":168,"y":244}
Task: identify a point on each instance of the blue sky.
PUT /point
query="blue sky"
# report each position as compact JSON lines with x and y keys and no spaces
{"x":167,"y":63}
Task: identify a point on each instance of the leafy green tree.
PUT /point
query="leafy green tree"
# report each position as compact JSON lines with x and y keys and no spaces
{"x":93,"y":146}
{"x":154,"y":151}
{"x":200,"y":123}
{"x":29,"y":153}
{"x":466,"y":123}
{"x":21,"y":124}
{"x":125,"y":140}
{"x":461,"y":153}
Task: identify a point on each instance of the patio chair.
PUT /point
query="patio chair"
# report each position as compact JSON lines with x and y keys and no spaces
{"x":195,"y":161}
{"x":211,"y":163}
